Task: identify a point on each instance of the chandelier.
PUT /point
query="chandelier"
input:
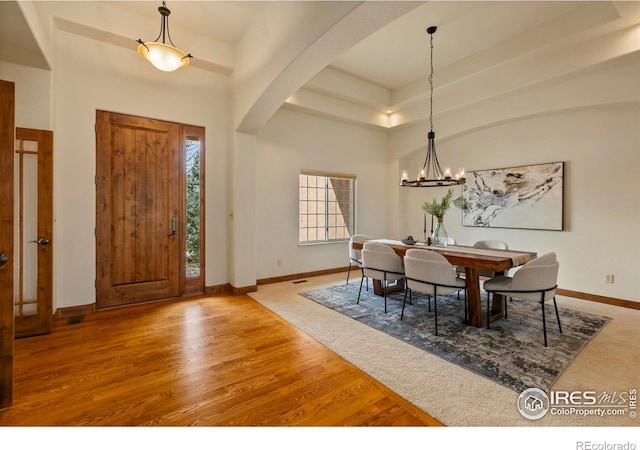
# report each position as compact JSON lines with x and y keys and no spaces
{"x":162,"y":55}
{"x":431,"y":175}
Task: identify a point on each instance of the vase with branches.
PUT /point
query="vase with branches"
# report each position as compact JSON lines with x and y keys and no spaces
{"x":438,"y":208}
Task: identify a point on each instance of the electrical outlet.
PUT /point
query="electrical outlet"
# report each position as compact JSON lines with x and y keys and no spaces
{"x":608,"y":278}
{"x":279,"y":262}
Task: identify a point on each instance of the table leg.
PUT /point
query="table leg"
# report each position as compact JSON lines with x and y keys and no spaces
{"x":377,"y":287}
{"x":478,"y":309}
{"x":473,"y":297}
{"x":497,"y":304}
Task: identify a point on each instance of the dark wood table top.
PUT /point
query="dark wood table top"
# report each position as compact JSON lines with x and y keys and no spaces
{"x":466,"y":256}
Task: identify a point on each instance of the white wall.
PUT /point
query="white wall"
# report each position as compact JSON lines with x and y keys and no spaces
{"x":291,"y":141}
{"x":595,"y":130}
{"x":590,"y":120}
{"x":90,"y":75}
{"x":33,"y":95}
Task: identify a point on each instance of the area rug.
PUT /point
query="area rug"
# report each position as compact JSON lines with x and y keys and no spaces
{"x":511,"y":353}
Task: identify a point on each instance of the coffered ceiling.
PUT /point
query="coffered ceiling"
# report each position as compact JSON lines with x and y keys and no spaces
{"x":475,"y":39}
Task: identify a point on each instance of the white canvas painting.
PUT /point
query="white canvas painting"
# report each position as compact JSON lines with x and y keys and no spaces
{"x":516,"y":197}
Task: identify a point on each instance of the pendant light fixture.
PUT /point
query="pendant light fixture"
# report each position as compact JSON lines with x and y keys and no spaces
{"x":431,"y":175}
{"x":163,"y":56}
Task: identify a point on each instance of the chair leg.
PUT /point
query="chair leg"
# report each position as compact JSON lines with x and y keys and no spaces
{"x":429,"y":301}
{"x":489,"y":310}
{"x":544,"y":321}
{"x":404,"y":302}
{"x":435,"y":305}
{"x":505,"y":307}
{"x":359,"y":291}
{"x":384,"y":291}
{"x":362,"y":269}
{"x":557,"y":315}
{"x":466,"y":309}
{"x":348,"y":273}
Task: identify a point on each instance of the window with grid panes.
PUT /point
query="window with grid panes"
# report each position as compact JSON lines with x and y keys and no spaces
{"x":327,"y":207}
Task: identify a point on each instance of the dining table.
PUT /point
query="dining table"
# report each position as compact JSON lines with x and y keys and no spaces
{"x":472,"y":259}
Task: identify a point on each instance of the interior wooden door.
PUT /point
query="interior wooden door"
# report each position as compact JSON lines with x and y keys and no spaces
{"x":138,"y":208}
{"x":33,"y":249}
{"x":7,"y":129}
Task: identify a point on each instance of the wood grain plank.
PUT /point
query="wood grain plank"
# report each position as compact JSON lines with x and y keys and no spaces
{"x":141,"y":218}
{"x":116,"y":176}
{"x":210,"y":361}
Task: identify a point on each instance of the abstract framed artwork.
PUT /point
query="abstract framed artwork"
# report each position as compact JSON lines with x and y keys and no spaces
{"x":529,"y":197}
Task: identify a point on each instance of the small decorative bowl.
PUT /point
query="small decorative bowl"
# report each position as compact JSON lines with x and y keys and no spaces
{"x":408,"y":241}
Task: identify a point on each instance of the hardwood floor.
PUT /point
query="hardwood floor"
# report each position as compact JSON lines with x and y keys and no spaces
{"x":215,"y":361}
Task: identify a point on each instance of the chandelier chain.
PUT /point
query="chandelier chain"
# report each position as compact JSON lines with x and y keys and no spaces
{"x":431,"y":174}
{"x":431,"y":86}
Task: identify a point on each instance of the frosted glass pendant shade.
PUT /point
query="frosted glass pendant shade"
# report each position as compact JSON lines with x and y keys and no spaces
{"x":164,"y":57}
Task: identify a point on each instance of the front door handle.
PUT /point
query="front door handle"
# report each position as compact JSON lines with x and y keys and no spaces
{"x":174,"y":223}
{"x":41,"y":241}
{"x":3,"y":259}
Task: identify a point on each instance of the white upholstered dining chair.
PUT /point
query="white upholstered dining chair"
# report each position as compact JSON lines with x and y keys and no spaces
{"x":355,"y":255}
{"x":536,"y":281}
{"x":380,"y":262}
{"x":430,"y":273}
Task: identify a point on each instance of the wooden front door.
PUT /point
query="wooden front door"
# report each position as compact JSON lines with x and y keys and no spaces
{"x":138,"y":209}
{"x":33,"y":249}
{"x":7,"y":128}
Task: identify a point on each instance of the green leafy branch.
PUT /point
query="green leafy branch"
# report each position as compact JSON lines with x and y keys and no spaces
{"x":438,"y":208}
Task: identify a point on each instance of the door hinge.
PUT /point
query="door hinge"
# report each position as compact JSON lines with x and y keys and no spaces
{"x":95,"y":128}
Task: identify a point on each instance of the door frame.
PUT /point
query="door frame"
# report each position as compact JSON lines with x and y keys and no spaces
{"x":186,"y":285}
{"x":41,"y":322}
{"x":7,"y":142}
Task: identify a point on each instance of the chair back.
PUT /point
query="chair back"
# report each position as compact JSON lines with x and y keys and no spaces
{"x":491,"y":244}
{"x":425,"y":269}
{"x":547,"y":258}
{"x":380,"y":262}
{"x":356,"y":254}
{"x":537,"y":278}
{"x":378,"y":247}
{"x":421,"y":254}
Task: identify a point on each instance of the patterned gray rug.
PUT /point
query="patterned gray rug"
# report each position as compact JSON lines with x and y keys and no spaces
{"x":511,"y":353}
